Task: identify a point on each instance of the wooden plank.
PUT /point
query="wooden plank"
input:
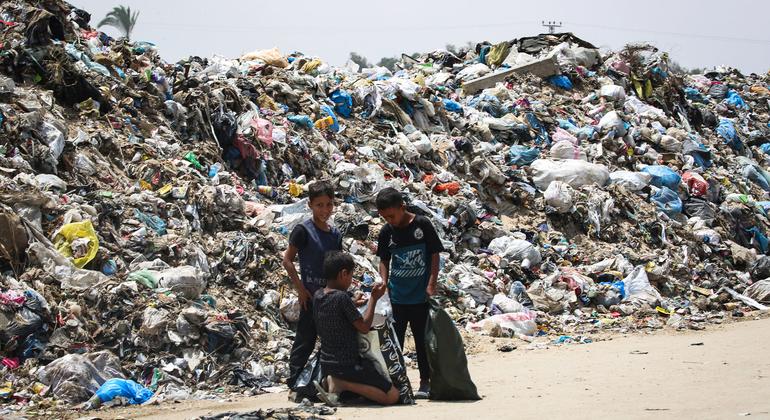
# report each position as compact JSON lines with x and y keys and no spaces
{"x":543,"y":68}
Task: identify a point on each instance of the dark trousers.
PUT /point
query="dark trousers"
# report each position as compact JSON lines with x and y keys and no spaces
{"x":304,"y":344}
{"x":417,"y":317}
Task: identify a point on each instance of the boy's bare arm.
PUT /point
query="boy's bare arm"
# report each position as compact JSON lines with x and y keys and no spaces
{"x":288,"y":264}
{"x":433,"y":279}
{"x":384,"y":269}
{"x":363,"y":325}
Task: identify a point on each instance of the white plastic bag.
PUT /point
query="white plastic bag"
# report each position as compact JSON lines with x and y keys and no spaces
{"x":506,"y":304}
{"x":559,"y":196}
{"x":576,"y":173}
{"x":638,"y":288}
{"x":519,"y":323}
{"x":566,"y":150}
{"x":290,"y":308}
{"x":516,"y":249}
{"x":632,"y":181}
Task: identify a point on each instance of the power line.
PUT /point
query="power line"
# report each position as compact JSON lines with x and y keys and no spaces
{"x":682,"y":34}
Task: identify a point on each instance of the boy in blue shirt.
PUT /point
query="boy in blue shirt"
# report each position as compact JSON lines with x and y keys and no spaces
{"x":311,"y":239}
{"x":408,"y":248}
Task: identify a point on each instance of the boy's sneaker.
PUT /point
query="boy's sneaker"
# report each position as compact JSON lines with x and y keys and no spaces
{"x":331,"y":399}
{"x":423,"y":393}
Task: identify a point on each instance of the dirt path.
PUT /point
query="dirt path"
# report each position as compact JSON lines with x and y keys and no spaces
{"x":721,"y":373}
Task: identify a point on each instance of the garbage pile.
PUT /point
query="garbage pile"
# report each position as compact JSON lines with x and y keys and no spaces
{"x":145,"y":205}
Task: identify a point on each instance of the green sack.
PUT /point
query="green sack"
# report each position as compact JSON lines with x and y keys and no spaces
{"x":449,"y":376}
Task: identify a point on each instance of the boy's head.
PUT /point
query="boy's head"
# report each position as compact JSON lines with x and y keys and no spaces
{"x":321,"y":200}
{"x":390,"y":205}
{"x":338,"y":269}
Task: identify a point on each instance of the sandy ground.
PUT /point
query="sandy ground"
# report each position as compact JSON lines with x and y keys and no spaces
{"x":720,"y":373}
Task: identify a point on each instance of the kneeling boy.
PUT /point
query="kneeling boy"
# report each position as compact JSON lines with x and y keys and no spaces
{"x":338,"y":323}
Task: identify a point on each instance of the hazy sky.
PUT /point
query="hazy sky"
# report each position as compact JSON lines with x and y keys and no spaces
{"x":695,"y":33}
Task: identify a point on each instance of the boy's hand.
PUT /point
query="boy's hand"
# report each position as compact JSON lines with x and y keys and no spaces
{"x":377,"y":291}
{"x":304,"y":297}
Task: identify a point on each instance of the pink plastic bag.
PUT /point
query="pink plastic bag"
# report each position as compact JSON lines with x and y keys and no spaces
{"x":264,"y":130}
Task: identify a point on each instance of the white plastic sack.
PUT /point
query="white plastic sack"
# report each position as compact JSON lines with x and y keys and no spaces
{"x":290,"y":308}
{"x":506,"y":304}
{"x":670,"y":144}
{"x":611,"y":121}
{"x":48,"y":181}
{"x":184,"y":280}
{"x":638,"y":288}
{"x":564,"y":149}
{"x":516,"y":249}
{"x":614,"y":92}
{"x":473,"y":71}
{"x":576,"y":173}
{"x":519,"y":323}
{"x":632,"y":181}
{"x":559,"y":196}
{"x":709,"y":236}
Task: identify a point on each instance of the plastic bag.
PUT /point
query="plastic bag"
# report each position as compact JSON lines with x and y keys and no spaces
{"x":638,"y":288}
{"x":663,"y":176}
{"x":184,"y":280}
{"x":64,"y":238}
{"x":381,"y":346}
{"x":559,"y":196}
{"x":696,"y":185}
{"x":74,"y":378}
{"x":343,"y":102}
{"x":449,"y":376}
{"x":516,"y":249}
{"x":452,"y":106}
{"x":303,"y":386}
{"x":126,"y":388}
{"x":513,"y":324}
{"x":612,"y":123}
{"x":576,"y":173}
{"x":272,"y":57}
{"x":567,"y":150}
{"x":667,"y":201}
{"x":290,"y":308}
{"x":522,"y":155}
{"x":632,"y":181}
{"x":561,"y":81}
{"x":506,"y":304}
{"x":613,"y":92}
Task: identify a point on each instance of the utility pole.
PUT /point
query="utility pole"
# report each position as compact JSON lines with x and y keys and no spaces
{"x":552,"y":25}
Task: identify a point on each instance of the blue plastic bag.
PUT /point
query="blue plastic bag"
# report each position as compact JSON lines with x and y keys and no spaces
{"x":343,"y":103}
{"x":667,"y":201}
{"x":453,"y":106}
{"x":153,"y":222}
{"x":735,"y":100}
{"x":535,"y":124}
{"x":760,"y":239}
{"x":694,"y":95}
{"x":765,"y":148}
{"x":754,"y":175}
{"x":663,"y":176}
{"x":301,"y":120}
{"x":326,"y":109}
{"x":561,"y":81}
{"x":522,"y":155}
{"x":726,"y":129}
{"x":126,"y":388}
{"x":619,"y":285}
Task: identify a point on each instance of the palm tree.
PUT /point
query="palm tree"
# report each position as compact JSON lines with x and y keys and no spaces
{"x":121,"y":18}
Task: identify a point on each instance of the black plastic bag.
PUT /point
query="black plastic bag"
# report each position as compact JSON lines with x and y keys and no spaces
{"x":449,"y":376}
{"x":760,"y":269}
{"x":303,"y":387}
